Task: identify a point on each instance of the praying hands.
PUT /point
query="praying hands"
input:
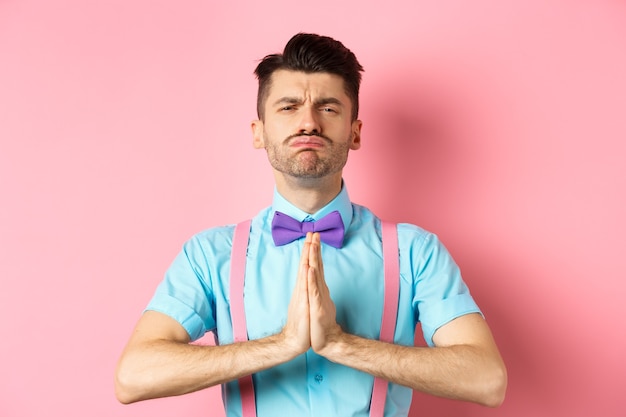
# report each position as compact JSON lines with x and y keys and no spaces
{"x":311,"y":317}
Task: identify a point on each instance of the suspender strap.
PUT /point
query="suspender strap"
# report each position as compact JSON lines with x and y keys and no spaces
{"x":388,"y":325}
{"x":391,"y":259}
{"x":237,"y":311}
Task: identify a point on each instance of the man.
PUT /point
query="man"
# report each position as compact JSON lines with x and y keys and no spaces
{"x":313,"y":309}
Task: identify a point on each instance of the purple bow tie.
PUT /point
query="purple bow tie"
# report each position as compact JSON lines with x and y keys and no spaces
{"x":286,"y":229}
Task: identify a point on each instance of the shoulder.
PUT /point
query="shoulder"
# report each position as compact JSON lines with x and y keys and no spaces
{"x":406,"y":231}
{"x":414,"y":235}
{"x":419,"y":243}
{"x":214,"y":233}
{"x":209,"y":245}
{"x":212,"y":236}
{"x":220,"y":238}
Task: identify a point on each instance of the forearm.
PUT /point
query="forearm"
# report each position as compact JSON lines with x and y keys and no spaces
{"x":158,"y":360}
{"x":161,"y":368}
{"x":462,"y":372}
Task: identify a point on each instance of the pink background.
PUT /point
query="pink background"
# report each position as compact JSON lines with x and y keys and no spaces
{"x":124,"y":129}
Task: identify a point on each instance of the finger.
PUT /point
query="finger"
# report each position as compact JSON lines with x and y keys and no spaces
{"x":320,"y":261}
{"x":313,"y":288}
{"x":315,"y":256}
{"x":303,"y":268}
{"x":316,"y":271}
{"x":306,"y":249}
{"x":297,"y":328}
{"x":300,"y":294}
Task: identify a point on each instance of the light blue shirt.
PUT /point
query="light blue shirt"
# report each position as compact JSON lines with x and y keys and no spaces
{"x":195,"y":292}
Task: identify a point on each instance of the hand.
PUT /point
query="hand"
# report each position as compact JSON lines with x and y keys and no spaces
{"x":323,"y":314}
{"x":296,"y":331}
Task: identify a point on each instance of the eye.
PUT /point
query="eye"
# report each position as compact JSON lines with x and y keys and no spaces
{"x":329,"y":110}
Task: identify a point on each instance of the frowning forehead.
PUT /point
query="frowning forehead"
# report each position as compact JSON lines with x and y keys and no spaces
{"x":299,"y":100}
{"x":295,"y":87}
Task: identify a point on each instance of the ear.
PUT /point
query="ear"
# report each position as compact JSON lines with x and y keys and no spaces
{"x":355,"y":143}
{"x":258,"y":141}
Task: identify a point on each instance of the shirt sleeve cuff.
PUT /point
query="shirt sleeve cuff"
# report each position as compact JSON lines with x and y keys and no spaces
{"x":180,"y":312}
{"x":444,"y":312}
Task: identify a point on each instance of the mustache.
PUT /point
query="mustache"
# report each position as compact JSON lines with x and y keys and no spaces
{"x":316,"y":134}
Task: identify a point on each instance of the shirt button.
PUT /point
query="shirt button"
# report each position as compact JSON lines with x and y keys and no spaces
{"x":319,"y":378}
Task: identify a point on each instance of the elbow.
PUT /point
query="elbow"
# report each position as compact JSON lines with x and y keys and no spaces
{"x":123,"y":397}
{"x":123,"y":390}
{"x":494,"y":386}
{"x":127,"y":386}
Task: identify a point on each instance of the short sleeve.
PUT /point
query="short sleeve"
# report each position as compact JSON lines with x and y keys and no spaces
{"x":185,"y":294}
{"x":440,"y":294}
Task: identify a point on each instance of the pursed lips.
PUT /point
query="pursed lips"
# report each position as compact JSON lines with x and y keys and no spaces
{"x":307,"y":141}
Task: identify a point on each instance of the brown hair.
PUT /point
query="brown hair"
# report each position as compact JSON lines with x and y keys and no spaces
{"x":310,"y":53}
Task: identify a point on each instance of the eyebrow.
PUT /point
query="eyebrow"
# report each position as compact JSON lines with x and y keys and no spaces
{"x":298,"y":100}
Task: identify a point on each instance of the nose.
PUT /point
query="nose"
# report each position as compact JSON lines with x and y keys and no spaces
{"x":309,"y":121}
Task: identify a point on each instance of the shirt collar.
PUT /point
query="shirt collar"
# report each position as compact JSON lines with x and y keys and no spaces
{"x":341,"y":203}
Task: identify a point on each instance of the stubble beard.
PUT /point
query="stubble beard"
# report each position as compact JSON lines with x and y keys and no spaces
{"x":308,"y":163}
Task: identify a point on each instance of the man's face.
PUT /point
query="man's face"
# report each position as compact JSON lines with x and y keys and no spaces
{"x":307,"y":129}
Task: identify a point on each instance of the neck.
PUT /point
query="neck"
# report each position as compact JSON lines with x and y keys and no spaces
{"x":310,"y":194}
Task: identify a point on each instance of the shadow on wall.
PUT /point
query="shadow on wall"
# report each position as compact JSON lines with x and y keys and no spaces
{"x":421,"y":140}
{"x":411,"y":148}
